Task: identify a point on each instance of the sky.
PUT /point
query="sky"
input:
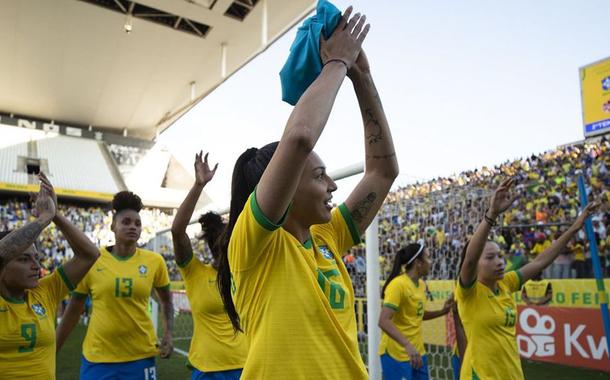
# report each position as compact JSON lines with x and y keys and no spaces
{"x":464,"y":84}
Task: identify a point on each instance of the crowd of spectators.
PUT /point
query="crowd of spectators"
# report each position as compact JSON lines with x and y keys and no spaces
{"x":94,"y":221}
{"x":443,"y":212}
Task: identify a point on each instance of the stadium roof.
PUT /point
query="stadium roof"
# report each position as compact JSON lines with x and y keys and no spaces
{"x":74,"y":62}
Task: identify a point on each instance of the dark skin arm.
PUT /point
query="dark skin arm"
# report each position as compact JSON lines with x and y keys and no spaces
{"x":69,"y":320}
{"x":182,"y":244}
{"x":167,"y":309}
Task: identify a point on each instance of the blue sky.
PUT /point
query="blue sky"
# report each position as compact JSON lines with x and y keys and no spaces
{"x":464,"y":84}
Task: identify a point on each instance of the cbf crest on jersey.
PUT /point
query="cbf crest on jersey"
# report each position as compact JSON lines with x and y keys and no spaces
{"x":143,"y":270}
{"x":39,"y":310}
{"x":606,"y":84}
{"x":328,"y":255}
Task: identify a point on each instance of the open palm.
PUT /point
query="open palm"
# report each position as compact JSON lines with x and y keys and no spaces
{"x":502,"y":198}
{"x":203,"y":173}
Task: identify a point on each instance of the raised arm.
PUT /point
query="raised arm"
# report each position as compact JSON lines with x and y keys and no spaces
{"x":21,"y":239}
{"x":381,"y":165}
{"x":182,"y":244}
{"x":501,"y":200}
{"x":549,"y":255}
{"x":85,"y":252}
{"x":308,"y":119}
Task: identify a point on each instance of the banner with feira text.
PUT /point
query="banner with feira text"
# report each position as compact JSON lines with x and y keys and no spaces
{"x":566,"y":293}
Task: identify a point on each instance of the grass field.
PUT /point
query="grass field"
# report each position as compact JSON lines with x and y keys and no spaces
{"x":68,"y":363}
{"x":68,"y":360}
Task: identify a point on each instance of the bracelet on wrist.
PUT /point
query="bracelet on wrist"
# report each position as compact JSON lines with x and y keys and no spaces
{"x":489,"y":220}
{"x":337,"y":60}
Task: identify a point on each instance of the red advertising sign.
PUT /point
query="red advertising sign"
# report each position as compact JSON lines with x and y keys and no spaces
{"x":568,"y":336}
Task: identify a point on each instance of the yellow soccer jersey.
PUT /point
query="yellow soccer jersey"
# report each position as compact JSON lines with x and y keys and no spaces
{"x":295,"y":300}
{"x":408,"y":300}
{"x":489,"y":321}
{"x":27,"y":330}
{"x":536,"y":290}
{"x":214,"y":346}
{"x":120,"y":329}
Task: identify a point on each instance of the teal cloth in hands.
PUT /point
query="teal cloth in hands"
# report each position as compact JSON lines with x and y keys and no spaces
{"x":304,"y":63}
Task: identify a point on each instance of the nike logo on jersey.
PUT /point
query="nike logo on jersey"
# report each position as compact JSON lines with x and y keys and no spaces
{"x":3,"y":309}
{"x":99,"y":269}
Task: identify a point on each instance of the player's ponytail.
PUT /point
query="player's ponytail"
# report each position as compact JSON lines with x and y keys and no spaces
{"x":248,"y":170}
{"x":405,"y":257}
{"x":212,"y":227}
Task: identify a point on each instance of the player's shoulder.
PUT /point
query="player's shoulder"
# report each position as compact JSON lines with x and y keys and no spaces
{"x":150,"y":256}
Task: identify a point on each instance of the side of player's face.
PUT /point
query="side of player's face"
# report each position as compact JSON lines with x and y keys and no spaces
{"x":312,"y":200}
{"x":23,"y":271}
{"x":426,"y":263}
{"x":491,"y":263}
{"x":127,"y":226}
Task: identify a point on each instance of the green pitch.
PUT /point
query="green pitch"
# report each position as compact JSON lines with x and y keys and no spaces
{"x":68,"y":363}
{"x":68,"y":360}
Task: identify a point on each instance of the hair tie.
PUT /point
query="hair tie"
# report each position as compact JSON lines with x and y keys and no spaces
{"x":419,"y":251}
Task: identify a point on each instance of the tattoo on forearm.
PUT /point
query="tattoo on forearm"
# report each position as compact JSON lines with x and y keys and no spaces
{"x":19,"y":240}
{"x":381,"y":157}
{"x":363,"y":207}
{"x":372,"y":127}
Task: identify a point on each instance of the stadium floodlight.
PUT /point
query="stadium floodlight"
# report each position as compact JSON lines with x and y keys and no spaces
{"x":128,"y":23}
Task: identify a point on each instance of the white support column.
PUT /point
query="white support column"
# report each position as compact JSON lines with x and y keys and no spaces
{"x":223,"y":60}
{"x":264,"y":24}
{"x":373,"y":298}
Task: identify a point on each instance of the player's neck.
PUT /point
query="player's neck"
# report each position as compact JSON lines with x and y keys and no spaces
{"x":296,"y":229}
{"x":124,"y":249}
{"x":11,"y":294}
{"x":413,"y":275}
{"x":490,"y":283}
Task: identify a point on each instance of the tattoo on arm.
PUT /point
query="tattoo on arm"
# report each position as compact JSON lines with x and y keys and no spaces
{"x":380,"y":157}
{"x":19,"y":240}
{"x":372,"y":127}
{"x":363,"y":207}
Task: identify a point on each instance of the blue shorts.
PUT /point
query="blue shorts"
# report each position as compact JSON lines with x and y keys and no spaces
{"x":143,"y":369}
{"x":395,"y":370}
{"x":457,"y":367}
{"x":232,"y":374}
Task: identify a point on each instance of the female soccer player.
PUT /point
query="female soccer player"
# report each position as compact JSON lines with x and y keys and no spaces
{"x":216,"y":352}
{"x":484,"y":294}
{"x":402,"y":351}
{"x":283,"y":267}
{"x":121,"y":341}
{"x":28,"y":303}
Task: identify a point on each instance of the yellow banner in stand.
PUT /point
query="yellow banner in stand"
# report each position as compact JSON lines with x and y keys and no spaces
{"x":33,"y":188}
{"x":566,"y":293}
